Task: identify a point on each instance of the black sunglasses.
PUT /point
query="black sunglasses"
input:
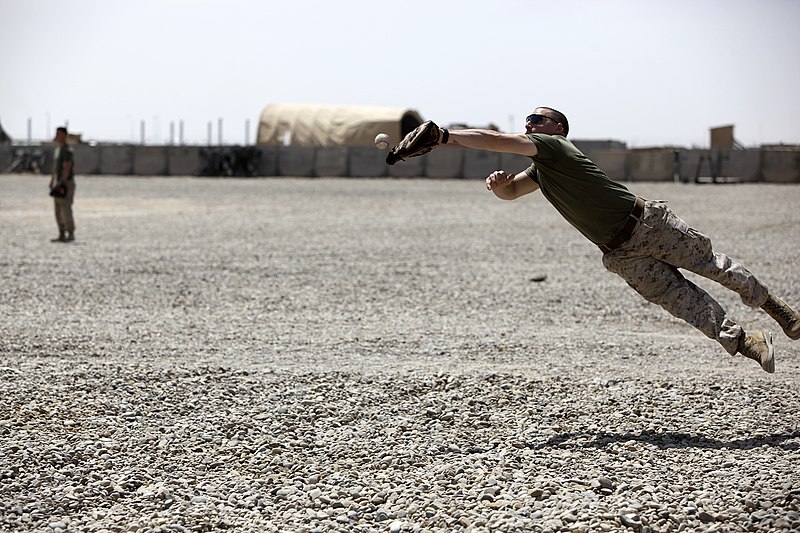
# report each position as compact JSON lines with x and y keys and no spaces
{"x":536,"y":118}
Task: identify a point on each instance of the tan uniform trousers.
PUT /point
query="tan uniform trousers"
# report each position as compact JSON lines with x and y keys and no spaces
{"x":64,"y":219}
{"x":649,"y":261}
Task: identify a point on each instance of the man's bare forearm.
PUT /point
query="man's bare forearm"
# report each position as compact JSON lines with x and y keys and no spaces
{"x":516,"y":143}
{"x":510,"y":186}
{"x":65,"y":171}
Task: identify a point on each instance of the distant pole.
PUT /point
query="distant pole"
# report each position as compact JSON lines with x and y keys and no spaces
{"x":209,"y":133}
{"x":171,"y":132}
{"x":141,"y":131}
{"x":219,"y":131}
{"x":247,"y":132}
{"x":30,"y":130}
{"x":180,"y":134}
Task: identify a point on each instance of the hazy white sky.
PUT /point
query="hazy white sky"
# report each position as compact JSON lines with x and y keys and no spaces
{"x":642,"y":71}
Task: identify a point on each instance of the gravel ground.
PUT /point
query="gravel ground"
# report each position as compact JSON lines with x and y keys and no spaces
{"x":375,"y":355}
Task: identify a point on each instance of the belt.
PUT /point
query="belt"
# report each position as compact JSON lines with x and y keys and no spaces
{"x":627,"y":230}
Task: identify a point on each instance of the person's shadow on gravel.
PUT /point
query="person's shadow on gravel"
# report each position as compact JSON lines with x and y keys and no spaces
{"x":669,"y":439}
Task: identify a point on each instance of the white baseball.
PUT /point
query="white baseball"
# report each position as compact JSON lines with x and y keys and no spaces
{"x":382,"y":141}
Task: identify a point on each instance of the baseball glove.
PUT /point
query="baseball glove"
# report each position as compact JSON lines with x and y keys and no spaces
{"x":421,"y":140}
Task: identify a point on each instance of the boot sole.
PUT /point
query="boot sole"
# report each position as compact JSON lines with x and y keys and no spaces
{"x":769,"y":363}
{"x":793,"y":334}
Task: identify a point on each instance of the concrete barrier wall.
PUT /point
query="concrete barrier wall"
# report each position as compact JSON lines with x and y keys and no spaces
{"x":6,"y":156}
{"x":116,"y":159}
{"x":738,"y":165}
{"x":183,"y":160}
{"x":781,"y":166}
{"x":479,"y":163}
{"x":331,"y":162}
{"x":367,"y":162}
{"x":775,"y":165}
{"x":745,"y":165}
{"x":268,"y":161}
{"x":87,"y":159}
{"x":688,"y":161}
{"x":48,"y":158}
{"x":443,"y":163}
{"x":150,"y":161}
{"x":296,"y":161}
{"x":410,"y":168}
{"x":651,"y":165}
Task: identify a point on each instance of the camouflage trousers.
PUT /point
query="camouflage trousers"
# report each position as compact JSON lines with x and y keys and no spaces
{"x":649,"y":261}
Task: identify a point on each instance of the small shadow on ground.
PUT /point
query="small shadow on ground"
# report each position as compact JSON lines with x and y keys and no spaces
{"x":670,"y":439}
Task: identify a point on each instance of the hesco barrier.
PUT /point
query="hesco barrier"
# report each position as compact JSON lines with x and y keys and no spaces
{"x":768,"y":164}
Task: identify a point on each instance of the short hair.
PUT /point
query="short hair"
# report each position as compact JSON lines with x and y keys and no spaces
{"x":61,"y":129}
{"x":561,"y":117}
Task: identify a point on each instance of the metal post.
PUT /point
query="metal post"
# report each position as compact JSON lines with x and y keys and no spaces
{"x":219,"y":131}
{"x":209,"y":133}
{"x":180,"y":134}
{"x":171,"y":132}
{"x":141,"y":131}
{"x":30,"y":132}
{"x":247,"y":132}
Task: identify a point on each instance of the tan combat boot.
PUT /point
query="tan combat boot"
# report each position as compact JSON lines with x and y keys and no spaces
{"x":788,"y":318}
{"x":758,"y":347}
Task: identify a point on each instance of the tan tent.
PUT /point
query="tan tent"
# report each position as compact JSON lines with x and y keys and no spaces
{"x":324,"y":125}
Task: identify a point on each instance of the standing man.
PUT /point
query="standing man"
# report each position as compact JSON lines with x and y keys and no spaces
{"x":62,"y":186}
{"x":642,"y":241}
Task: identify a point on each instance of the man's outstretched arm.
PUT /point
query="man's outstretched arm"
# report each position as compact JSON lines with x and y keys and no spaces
{"x":494,"y":141}
{"x":428,"y":136}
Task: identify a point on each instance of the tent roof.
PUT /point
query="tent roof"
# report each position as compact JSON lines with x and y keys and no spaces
{"x":326,"y":125}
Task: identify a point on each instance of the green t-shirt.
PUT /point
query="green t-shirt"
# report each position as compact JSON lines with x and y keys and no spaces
{"x":61,"y":155}
{"x":588,"y":199}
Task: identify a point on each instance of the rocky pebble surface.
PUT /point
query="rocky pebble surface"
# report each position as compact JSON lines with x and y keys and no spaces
{"x":378,"y":355}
